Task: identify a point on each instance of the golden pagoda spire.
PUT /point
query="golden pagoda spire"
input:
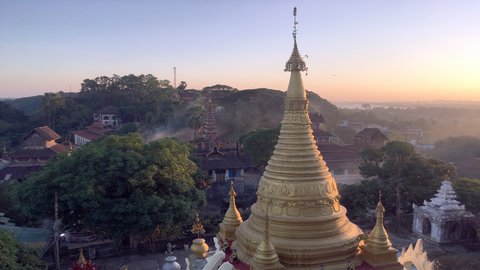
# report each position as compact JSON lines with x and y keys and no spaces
{"x":81,"y":258}
{"x":265,"y":256}
{"x":378,"y":250}
{"x":309,"y":227}
{"x":378,"y":239}
{"x":232,"y":218}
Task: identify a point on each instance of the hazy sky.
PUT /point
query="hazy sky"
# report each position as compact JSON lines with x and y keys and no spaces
{"x":357,"y":50}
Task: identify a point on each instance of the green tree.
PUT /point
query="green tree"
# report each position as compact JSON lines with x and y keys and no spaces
{"x":52,"y":104}
{"x":118,"y":187}
{"x":14,"y":256}
{"x":13,"y":124}
{"x":403,"y":174}
{"x":454,"y":149}
{"x":195,"y":119}
{"x":182,"y":86}
{"x":468,"y":191}
{"x":259,"y":145}
{"x":219,"y":87}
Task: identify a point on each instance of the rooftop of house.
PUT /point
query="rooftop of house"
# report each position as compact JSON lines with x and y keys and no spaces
{"x":45,"y":132}
{"x":43,"y":153}
{"x":93,"y":132}
{"x":322,"y":133}
{"x":371,"y":133}
{"x":224,"y":162}
{"x":18,"y":172}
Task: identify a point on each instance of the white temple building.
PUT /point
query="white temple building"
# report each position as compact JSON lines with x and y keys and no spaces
{"x":443,"y":219}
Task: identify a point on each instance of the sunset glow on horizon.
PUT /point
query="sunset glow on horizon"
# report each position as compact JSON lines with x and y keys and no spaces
{"x":357,"y":51}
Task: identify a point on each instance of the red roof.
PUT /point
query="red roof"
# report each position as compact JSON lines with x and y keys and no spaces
{"x":46,"y":133}
{"x":371,"y":133}
{"x":93,"y":132}
{"x":18,"y":172}
{"x":43,"y":153}
{"x":87,"y":134}
{"x":59,"y":148}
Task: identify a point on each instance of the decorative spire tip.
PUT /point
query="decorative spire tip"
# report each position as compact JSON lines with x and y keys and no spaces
{"x":295,"y":63}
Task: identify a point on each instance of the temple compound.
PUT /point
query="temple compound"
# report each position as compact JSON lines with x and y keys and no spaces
{"x":297,"y":222}
{"x":443,"y":219}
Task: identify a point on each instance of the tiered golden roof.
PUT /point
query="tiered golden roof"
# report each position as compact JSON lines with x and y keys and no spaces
{"x":378,"y":250}
{"x":308,"y":226}
{"x":232,"y":218}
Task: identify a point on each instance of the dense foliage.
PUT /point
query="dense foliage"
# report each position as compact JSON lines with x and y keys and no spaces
{"x":249,"y":110}
{"x":139,"y":98}
{"x":13,"y":125}
{"x":118,"y":186}
{"x":463,"y":152}
{"x":259,"y":145}
{"x":468,"y":192}
{"x":396,"y":165}
{"x":14,"y":256}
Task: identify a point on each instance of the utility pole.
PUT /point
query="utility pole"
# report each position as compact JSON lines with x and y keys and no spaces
{"x":56,"y":224}
{"x":175,"y":77}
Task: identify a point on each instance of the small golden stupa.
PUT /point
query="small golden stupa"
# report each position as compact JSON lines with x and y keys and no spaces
{"x":377,"y":250}
{"x":231,"y":220}
{"x":265,"y":257}
{"x":308,"y":227}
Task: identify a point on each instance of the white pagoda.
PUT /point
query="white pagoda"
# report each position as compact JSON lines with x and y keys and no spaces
{"x":443,"y":219}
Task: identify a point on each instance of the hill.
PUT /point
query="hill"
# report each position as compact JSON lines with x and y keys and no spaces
{"x":28,"y":105}
{"x":242,"y":111}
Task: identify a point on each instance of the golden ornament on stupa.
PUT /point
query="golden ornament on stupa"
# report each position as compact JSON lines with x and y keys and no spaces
{"x":197,"y":227}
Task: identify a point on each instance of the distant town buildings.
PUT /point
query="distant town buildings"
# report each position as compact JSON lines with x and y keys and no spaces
{"x":370,"y":137}
{"x":109,"y":116}
{"x":344,"y":160}
{"x":93,"y":132}
{"x":105,"y":122}
{"x":36,"y":149}
{"x":221,"y":159}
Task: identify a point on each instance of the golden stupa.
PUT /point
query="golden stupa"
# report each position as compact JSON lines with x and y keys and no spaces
{"x":377,"y":250}
{"x":307,"y":225}
{"x":231,"y":220}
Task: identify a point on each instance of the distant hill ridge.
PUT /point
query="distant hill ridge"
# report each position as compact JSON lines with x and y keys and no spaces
{"x":251,"y":109}
{"x":241,"y":110}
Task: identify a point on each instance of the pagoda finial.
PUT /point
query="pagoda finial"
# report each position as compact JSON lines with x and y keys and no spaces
{"x":232,"y":218}
{"x":380,"y":210}
{"x":295,"y":63}
{"x":81,"y":258}
{"x":82,"y":263}
{"x":295,"y":23}
{"x":232,"y":193}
